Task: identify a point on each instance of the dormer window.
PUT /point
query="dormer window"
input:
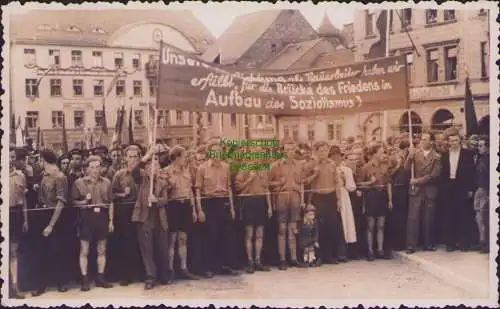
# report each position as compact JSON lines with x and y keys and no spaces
{"x":73,"y":28}
{"x":45,"y":27}
{"x":98,"y":30}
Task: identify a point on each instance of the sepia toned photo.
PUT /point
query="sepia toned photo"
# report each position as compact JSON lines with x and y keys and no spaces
{"x":242,"y":153}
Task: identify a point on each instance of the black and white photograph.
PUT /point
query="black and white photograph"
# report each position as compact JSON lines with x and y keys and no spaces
{"x":244,"y":153}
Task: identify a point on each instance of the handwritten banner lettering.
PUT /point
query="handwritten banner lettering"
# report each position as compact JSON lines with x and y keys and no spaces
{"x":187,"y":83}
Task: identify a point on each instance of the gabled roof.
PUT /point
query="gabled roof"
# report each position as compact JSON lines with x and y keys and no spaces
{"x":339,"y":57}
{"x":95,"y":27}
{"x":240,"y":36}
{"x":326,"y":28}
{"x":290,"y":54}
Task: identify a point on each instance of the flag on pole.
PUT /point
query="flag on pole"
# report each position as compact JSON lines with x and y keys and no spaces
{"x":471,"y":126}
{"x":379,"y":48}
{"x":64,"y":136}
{"x":104,"y":121}
{"x":38,"y":133}
{"x":130,"y":127}
{"x":19,"y":133}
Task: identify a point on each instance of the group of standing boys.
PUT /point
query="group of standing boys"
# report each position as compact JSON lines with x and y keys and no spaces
{"x":324,"y":202}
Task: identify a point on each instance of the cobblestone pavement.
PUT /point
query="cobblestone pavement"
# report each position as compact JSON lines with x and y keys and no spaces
{"x":354,"y":281}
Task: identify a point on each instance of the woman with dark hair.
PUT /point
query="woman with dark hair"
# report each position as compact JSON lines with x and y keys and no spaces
{"x":378,"y":199}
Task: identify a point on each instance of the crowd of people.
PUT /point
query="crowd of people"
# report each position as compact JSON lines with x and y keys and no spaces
{"x":163,"y":214}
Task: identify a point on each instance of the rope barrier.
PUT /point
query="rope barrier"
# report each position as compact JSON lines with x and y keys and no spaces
{"x":106,"y":205}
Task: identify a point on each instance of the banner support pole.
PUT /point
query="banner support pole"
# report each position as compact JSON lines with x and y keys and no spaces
{"x":387,"y":34}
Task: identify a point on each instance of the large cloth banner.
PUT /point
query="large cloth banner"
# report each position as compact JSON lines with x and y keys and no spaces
{"x":188,"y":83}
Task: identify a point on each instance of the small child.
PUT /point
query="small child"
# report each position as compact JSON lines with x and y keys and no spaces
{"x":308,"y":238}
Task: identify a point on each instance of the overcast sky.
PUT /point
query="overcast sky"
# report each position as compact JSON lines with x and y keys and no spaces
{"x":218,"y":16}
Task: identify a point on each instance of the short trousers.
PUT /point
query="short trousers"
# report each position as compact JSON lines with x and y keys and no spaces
{"x":254,"y":210}
{"x":94,"y":224}
{"x":288,"y":206}
{"x":376,"y":203}
{"x":179,"y":216}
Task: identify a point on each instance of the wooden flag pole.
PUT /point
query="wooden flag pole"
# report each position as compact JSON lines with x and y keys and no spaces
{"x":153,"y":163}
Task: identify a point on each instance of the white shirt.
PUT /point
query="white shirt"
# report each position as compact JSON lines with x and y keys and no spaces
{"x":350,"y":184}
{"x":454,"y":156}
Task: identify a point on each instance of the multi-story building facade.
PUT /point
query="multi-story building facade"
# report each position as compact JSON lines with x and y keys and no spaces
{"x":64,"y":69}
{"x":442,"y":48}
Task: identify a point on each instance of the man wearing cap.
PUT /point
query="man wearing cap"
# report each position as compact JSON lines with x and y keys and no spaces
{"x":52,"y":196}
{"x":93,"y":195}
{"x":76,"y":156}
{"x":286,"y":179}
{"x":63,"y":163}
{"x":216,"y":209}
{"x":18,"y":219}
{"x":149,"y":212}
{"x":125,"y":255}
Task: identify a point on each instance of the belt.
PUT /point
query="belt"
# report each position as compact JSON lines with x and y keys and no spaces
{"x":180,"y":200}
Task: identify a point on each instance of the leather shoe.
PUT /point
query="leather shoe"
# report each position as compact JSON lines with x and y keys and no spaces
{"x":297,"y":264}
{"x":149,"y":286}
{"x":125,"y":283}
{"x":102,"y":283}
{"x":85,"y":284}
{"x":226,"y":270}
{"x":186,"y":274}
{"x":430,"y":248}
{"x":410,"y":251}
{"x":250,"y":269}
{"x":260,"y":267}
{"x":62,"y":289}
{"x":38,"y":292}
{"x":208,"y":274}
{"x":282,"y":266}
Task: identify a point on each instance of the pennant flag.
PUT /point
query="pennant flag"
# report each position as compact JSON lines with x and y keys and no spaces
{"x":378,"y":49}
{"x":38,"y":133}
{"x":19,"y":133}
{"x":120,"y":125}
{"x":42,"y":142}
{"x":64,"y":136}
{"x":104,"y":121}
{"x":130,"y":127}
{"x":471,"y":126}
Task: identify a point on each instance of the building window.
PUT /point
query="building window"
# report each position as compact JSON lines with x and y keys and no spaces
{"x":152,"y":89}
{"x":409,"y":62}
{"x":260,"y":119}
{"x":432,"y":65}
{"x":99,"y":118}
{"x":136,"y":61}
{"x":32,"y":119}
{"x":55,"y":88}
{"x":310,"y":132}
{"x":120,"y":88}
{"x":178,"y":115}
{"x":338,"y":131}
{"x":295,"y":132}
{"x":331,"y":132}
{"x":98,"y":87}
{"x":210,"y":118}
{"x":484,"y":59}
{"x":450,"y":54}
{"x":190,"y":118}
{"x":137,"y":88}
{"x":76,"y":58}
{"x":29,"y":56}
{"x":233,"y":120}
{"x":79,"y":118}
{"x":57,"y":119}
{"x":180,"y":141}
{"x":431,"y":16}
{"x":406,"y":16}
{"x":31,"y":88}
{"x":449,"y":15}
{"x":274,"y":48}
{"x":97,"y":58}
{"x":118,"y":60}
{"x":368,"y":23}
{"x":78,"y":87}
{"x":162,"y":118}
{"x":269,"y":119}
{"x":139,"y":118}
{"x":55,"y":57}
{"x":286,"y":131}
